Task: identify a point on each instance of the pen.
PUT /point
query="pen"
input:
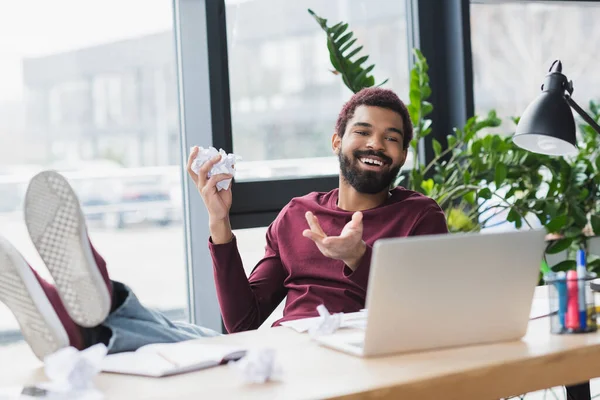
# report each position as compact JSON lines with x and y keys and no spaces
{"x":561,"y":287}
{"x":581,"y":275}
{"x":572,"y":318}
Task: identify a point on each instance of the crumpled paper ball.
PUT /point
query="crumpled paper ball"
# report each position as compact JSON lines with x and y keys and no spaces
{"x":327,"y":323}
{"x":226,"y":164}
{"x":258,"y":366}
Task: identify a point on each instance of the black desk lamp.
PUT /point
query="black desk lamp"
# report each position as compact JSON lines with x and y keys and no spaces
{"x":547,"y":125}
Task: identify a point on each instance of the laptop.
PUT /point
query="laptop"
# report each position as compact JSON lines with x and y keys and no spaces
{"x":430,"y":292}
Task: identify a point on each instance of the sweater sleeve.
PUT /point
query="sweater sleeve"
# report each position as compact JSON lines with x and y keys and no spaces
{"x":360,"y":275}
{"x":247,"y":302}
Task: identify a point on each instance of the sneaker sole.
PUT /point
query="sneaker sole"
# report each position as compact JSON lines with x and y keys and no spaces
{"x":24,"y":296}
{"x":57,"y":228}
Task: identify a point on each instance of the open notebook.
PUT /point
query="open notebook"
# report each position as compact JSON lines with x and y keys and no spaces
{"x":158,"y":360}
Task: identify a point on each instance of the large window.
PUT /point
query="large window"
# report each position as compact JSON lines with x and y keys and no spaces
{"x":515,"y":43}
{"x":284,"y":97}
{"x":89,"y":88}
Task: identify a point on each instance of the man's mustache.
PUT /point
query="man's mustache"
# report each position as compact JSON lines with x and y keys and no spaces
{"x":367,"y":153}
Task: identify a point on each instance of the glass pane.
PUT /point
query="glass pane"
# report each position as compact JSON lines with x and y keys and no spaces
{"x":90,"y":89}
{"x":284,"y":97}
{"x":514,"y":45}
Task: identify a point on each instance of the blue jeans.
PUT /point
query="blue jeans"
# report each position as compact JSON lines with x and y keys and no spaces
{"x":132,"y":325}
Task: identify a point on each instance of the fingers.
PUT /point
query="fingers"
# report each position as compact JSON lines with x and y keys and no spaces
{"x":212,"y":182}
{"x":315,"y":237}
{"x":314,"y":225}
{"x":357,"y":219}
{"x":191,"y":159}
{"x":205,"y":169}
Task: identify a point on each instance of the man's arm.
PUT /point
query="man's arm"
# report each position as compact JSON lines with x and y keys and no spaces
{"x":247,"y":302}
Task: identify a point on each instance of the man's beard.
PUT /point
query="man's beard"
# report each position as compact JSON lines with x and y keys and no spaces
{"x":364,"y":181}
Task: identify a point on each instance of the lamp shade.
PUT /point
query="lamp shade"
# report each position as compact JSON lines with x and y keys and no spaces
{"x":547,"y":126}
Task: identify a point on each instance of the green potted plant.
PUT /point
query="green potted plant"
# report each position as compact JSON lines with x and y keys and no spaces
{"x":472,"y":170}
{"x":573,"y":193}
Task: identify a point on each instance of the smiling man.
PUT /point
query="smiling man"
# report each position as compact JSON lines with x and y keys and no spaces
{"x":319,"y":247}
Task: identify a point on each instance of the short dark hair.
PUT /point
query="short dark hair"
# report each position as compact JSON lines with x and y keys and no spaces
{"x":376,"y":97}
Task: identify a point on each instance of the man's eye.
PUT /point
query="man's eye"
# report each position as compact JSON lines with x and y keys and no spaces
{"x":392,"y":139}
{"x":362,"y":133}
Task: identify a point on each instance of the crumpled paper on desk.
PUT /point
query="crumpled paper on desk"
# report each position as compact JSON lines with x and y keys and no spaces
{"x":326,"y":324}
{"x":71,"y":373}
{"x":258,"y":366}
{"x":226,"y":164}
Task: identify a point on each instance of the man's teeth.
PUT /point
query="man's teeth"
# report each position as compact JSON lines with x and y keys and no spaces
{"x":371,"y":161}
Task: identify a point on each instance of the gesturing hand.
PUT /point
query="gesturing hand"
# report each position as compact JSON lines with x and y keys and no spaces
{"x":348,"y":246}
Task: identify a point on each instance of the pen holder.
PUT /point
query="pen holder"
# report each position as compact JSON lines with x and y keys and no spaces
{"x":572,"y":305}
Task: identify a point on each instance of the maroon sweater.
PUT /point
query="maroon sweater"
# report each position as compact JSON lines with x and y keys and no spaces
{"x":294,"y":266}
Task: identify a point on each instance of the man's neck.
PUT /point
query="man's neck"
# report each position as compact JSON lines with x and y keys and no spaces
{"x":351,"y":200}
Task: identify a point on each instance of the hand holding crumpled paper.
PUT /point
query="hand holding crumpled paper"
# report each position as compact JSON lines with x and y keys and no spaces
{"x":226,"y":164}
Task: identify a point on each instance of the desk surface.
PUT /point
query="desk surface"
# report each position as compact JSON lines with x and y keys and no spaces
{"x":538,"y":361}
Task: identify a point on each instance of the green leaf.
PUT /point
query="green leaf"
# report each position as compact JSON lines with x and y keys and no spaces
{"x":427,"y":124}
{"x":338,"y":30}
{"x":340,"y":44}
{"x":467,"y":177}
{"x":513,"y":216}
{"x":427,"y":108}
{"x":559,"y":245}
{"x":565,"y":265}
{"x":595,"y":222}
{"x":437,"y":147}
{"x":458,"y":221}
{"x":345,"y":47}
{"x":358,"y":81}
{"x":451,"y":140}
{"x":556,"y":223}
{"x":415,"y":98}
{"x":427,"y":186}
{"x":578,"y":215}
{"x":360,"y":61}
{"x":425,"y":92}
{"x":470,"y":197}
{"x":353,"y":52}
{"x":500,"y":174}
{"x":485,"y":193}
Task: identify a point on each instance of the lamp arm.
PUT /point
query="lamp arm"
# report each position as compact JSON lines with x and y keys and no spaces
{"x":583,"y":114}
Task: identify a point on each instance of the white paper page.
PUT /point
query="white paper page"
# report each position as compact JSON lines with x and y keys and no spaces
{"x":137,"y":363}
{"x":190,"y":353}
{"x":349,"y":320}
{"x":540,"y":307}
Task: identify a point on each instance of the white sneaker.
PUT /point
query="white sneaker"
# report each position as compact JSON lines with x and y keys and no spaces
{"x":22,"y":292}
{"x":57,"y":228}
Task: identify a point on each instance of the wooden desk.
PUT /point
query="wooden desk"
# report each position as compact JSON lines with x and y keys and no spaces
{"x":540,"y":360}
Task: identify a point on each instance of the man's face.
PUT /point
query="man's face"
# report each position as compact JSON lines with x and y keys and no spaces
{"x":371,"y":152}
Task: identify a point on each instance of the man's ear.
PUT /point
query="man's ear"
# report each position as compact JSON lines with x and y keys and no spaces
{"x":336,"y":143}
